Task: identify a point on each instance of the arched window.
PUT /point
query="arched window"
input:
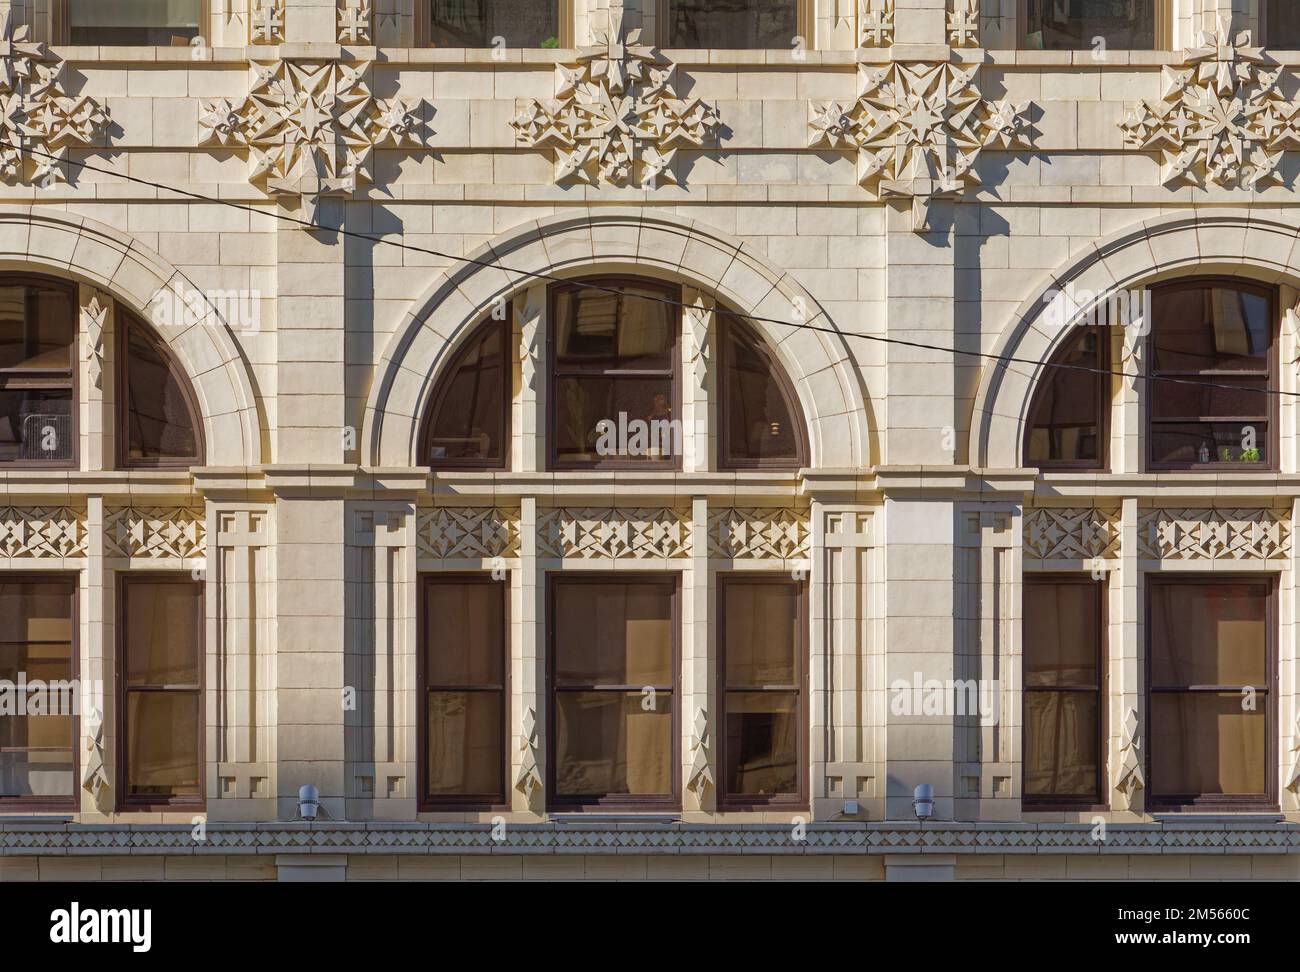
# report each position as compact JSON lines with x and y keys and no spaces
{"x":614,"y":398}
{"x":468,"y":422}
{"x":38,"y":338}
{"x":1068,"y":418}
{"x":760,"y":420}
{"x":1215,"y":341}
{"x":158,"y":423}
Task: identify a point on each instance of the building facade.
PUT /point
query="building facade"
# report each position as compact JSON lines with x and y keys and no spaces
{"x":649,"y":438}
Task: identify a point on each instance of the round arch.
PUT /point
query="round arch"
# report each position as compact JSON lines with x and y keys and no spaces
{"x":818,"y":363}
{"x":77,"y":248}
{"x":1227,"y":242}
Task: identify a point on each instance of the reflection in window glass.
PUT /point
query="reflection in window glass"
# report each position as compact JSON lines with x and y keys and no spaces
{"x":1066,"y":419}
{"x":1282,"y":24}
{"x":37,"y":337}
{"x":159,"y":422}
{"x":478,"y":23}
{"x":761,"y":422}
{"x":736,"y":24}
{"x":1077,"y":25}
{"x":146,"y":23}
{"x":1209,"y":644}
{"x":37,"y":746}
{"x":613,"y":650}
{"x":467,"y":424}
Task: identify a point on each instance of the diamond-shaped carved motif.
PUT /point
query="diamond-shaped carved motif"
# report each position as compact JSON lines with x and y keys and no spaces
{"x":758,"y":534}
{"x":155,"y":533}
{"x":616,"y":533}
{"x":1071,"y":534}
{"x":1214,"y":534}
{"x":470,"y":533}
{"x":42,"y":532}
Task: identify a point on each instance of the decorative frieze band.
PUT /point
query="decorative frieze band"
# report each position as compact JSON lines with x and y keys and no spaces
{"x":155,"y":533}
{"x":1071,"y":533}
{"x":41,"y":533}
{"x":758,"y":534}
{"x":467,"y":533}
{"x":1214,"y":534}
{"x":608,"y":532}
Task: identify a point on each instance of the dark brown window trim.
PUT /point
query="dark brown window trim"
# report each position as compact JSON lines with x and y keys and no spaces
{"x":1164,"y":40}
{"x":731,"y":328}
{"x":775,"y":802}
{"x":1072,"y":803}
{"x":498,"y":801}
{"x":72,"y":383}
{"x":656,"y":802}
{"x":124,"y":804}
{"x":671,"y":292}
{"x":1105,"y":401}
{"x":1272,"y":419}
{"x":1197,"y":803}
{"x":126,"y":323}
{"x":71,"y":803}
{"x":443,"y":387}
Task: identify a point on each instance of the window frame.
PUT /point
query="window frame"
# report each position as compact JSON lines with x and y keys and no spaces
{"x":731,"y":327}
{"x":1105,"y":403}
{"x":1192,"y":803}
{"x":565,"y":18}
{"x":125,"y":803}
{"x":588,"y":803}
{"x":73,"y":801}
{"x":125,"y":320}
{"x":1164,"y":28}
{"x":1273,"y":417}
{"x":669,"y":290}
{"x":1039,"y":803}
{"x":777,"y":801}
{"x":443,"y":387}
{"x":1268,"y":25}
{"x":805,"y":24}
{"x":472,"y":801}
{"x":61,"y":25}
{"x":72,"y":290}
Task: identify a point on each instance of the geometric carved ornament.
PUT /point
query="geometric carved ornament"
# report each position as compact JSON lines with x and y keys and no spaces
{"x":155,"y":533}
{"x":467,"y":533}
{"x":1071,"y":534}
{"x":606,"y":532}
{"x":758,"y":534}
{"x":1214,"y":534}
{"x":42,"y":532}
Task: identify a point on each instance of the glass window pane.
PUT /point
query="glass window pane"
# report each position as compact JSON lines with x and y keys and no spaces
{"x":35,"y":611}
{"x":607,"y":743}
{"x":615,"y":418}
{"x":1283,"y":24}
{"x":1207,"y":744}
{"x":36,"y":426}
{"x":632,"y":329}
{"x":1061,"y":640}
{"x":159,"y":422}
{"x":468,"y":421}
{"x":763,"y":743}
{"x":1225,"y":397}
{"x":1197,"y":443}
{"x":37,"y":328}
{"x":162,"y":744}
{"x":1209,"y":634}
{"x":465,"y":622}
{"x":614,"y":634}
{"x":750,"y":24}
{"x":134,"y":22}
{"x":1062,"y":25}
{"x":763,"y":638}
{"x":1063,"y":421}
{"x":1061,"y":734}
{"x":37,"y":774}
{"x":465,"y":753}
{"x":474,"y":23}
{"x":760,"y":419}
{"x":1210,"y":328}
{"x":162,"y":633}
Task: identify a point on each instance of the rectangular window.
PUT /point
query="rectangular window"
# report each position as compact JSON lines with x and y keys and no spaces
{"x":1211,"y":671}
{"x":1063,"y":658}
{"x":614,"y":366}
{"x":762,"y":692}
{"x":1214,"y":341}
{"x":463,"y":680}
{"x":613,"y":669}
{"x":38,"y":337}
{"x":736,"y":24}
{"x":135,"y":23}
{"x":160,"y":679}
{"x":498,"y":23}
{"x":1282,"y":24}
{"x":1080,"y":25}
{"x":38,"y":644}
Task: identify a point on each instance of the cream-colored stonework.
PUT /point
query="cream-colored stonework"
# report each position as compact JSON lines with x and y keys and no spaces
{"x":901,"y":180}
